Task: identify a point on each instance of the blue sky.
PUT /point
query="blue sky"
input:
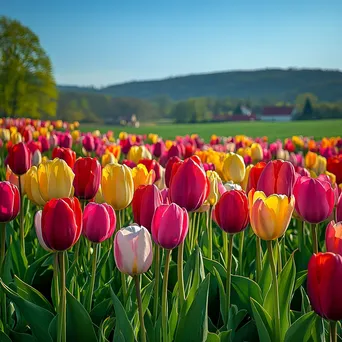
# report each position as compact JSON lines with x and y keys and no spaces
{"x":106,"y":42}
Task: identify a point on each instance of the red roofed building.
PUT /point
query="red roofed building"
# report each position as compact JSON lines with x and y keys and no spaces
{"x":284,"y":113}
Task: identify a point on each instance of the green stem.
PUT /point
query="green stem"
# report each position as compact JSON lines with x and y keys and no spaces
{"x":333,"y":331}
{"x":258,"y":258}
{"x":93,"y":275}
{"x":62,"y":303}
{"x":141,"y":314}
{"x":180,"y":274}
{"x":225,"y":247}
{"x":55,"y":280}
{"x":164,"y":295}
{"x":2,"y":267}
{"x":22,"y":229}
{"x":300,"y":227}
{"x":241,"y":242}
{"x":280,"y":249}
{"x":210,"y":233}
{"x":314,"y":238}
{"x":197,"y":218}
{"x":156,"y":284}
{"x":276,"y":318}
{"x":229,"y":274}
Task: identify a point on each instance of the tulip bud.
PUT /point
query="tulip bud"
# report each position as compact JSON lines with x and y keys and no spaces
{"x":333,"y":237}
{"x":234,"y":168}
{"x":19,"y":159}
{"x":38,"y":228}
{"x":170,"y":225}
{"x":168,"y":169}
{"x":334,"y":165}
{"x":141,"y":176}
{"x":310,"y":159}
{"x":231,"y":211}
{"x":254,"y":176}
{"x":214,"y":180}
{"x":61,"y":224}
{"x":99,"y":221}
{"x":108,"y":158}
{"x":9,"y":202}
{"x":321,"y":195}
{"x":68,"y":155}
{"x":65,"y":140}
{"x":36,"y":158}
{"x":137,"y":153}
{"x":31,"y":186}
{"x":133,"y":250}
{"x":256,"y":152}
{"x":88,"y":143}
{"x":324,"y":280}
{"x":278,"y":177}
{"x":87,"y":177}
{"x":320,"y":165}
{"x":145,"y":201}
{"x":117,"y":185}
{"x":269,"y":216}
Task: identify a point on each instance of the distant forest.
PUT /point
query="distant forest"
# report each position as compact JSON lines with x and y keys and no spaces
{"x":196,"y":98}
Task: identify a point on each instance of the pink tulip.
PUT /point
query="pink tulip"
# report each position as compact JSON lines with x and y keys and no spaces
{"x":333,"y":237}
{"x":133,"y":250}
{"x":99,"y":222}
{"x":339,"y":209}
{"x":170,"y":225}
{"x":314,"y":199}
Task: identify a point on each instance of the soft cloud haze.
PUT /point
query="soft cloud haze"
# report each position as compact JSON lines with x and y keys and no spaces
{"x":105,"y":42}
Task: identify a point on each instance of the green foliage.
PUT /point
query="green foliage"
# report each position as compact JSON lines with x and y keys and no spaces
{"x":27,"y":85}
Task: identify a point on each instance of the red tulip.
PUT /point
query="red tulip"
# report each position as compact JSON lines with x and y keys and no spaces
{"x":278,"y":177}
{"x":158,"y":149}
{"x":129,"y":163}
{"x":333,"y":237}
{"x":170,"y":225}
{"x":99,"y":222}
{"x":324,"y":281}
{"x":254,"y":175}
{"x":67,"y":154}
{"x":339,"y":209}
{"x":34,"y":146}
{"x":145,"y":201}
{"x":334,"y":165}
{"x":61,"y":223}
{"x":231,"y":211}
{"x":19,"y":159}
{"x":9,"y":201}
{"x":87,"y":177}
{"x":174,"y":151}
{"x":168,"y":169}
{"x":314,"y":199}
{"x":189,"y":185}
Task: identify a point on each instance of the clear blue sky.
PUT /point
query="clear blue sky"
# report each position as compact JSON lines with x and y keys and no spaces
{"x":101,"y":42}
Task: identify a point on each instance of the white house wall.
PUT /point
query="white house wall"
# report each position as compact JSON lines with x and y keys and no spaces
{"x":281,"y":118}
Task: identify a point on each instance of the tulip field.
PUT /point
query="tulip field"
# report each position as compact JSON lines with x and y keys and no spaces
{"x":124,"y":237}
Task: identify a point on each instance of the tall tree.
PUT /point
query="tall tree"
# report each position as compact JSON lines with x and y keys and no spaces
{"x":27,"y":85}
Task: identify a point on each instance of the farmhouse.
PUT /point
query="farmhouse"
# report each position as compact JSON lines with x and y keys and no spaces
{"x":284,"y":113}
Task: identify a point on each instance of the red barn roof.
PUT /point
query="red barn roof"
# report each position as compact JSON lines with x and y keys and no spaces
{"x":285,"y":110}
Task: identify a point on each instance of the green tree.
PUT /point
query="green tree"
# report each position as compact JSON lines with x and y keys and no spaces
{"x":307,"y":110}
{"x":27,"y":85}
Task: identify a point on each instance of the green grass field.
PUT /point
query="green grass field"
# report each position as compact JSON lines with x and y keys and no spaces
{"x":274,"y":130}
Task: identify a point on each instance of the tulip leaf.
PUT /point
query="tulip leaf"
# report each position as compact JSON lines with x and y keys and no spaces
{"x":106,"y":328}
{"x":211,"y":264}
{"x":37,"y":317}
{"x":213,"y":337}
{"x":225,"y":336}
{"x":31,"y":294}
{"x":20,"y":337}
{"x":123,"y":328}
{"x":300,"y":330}
{"x":196,"y":317}
{"x":79,"y":324}
{"x":305,"y":301}
{"x":222,"y":295}
{"x":266,"y":274}
{"x":19,"y":260}
{"x":300,"y":278}
{"x":33,"y":269}
{"x":242,"y":290}
{"x":99,"y":312}
{"x":263,"y":321}
{"x":4,"y":337}
{"x":173,"y":320}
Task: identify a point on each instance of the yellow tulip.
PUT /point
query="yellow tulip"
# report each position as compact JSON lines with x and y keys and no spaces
{"x":16,"y":138}
{"x":310,"y":159}
{"x":168,"y":144}
{"x":108,"y":158}
{"x":141,"y":176}
{"x":32,"y":186}
{"x":234,"y":168}
{"x":244,"y":182}
{"x":117,"y":185}
{"x":99,"y":196}
{"x":55,"y":179}
{"x":59,"y":124}
{"x":257,"y":153}
{"x":270,"y":216}
{"x":331,"y":176}
{"x":123,"y":135}
{"x":136,"y":153}
{"x":5,"y":134}
{"x":320,"y":165}
{"x":214,"y":193}
{"x":75,"y":135}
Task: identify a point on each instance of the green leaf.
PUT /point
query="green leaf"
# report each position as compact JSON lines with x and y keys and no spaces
{"x":222,"y":294}
{"x":33,"y":269}
{"x":31,"y":294}
{"x":37,"y":317}
{"x":100,"y":311}
{"x":242,"y":290}
{"x":263,"y":321}
{"x":79,"y":324}
{"x":225,"y":336}
{"x":196,"y":317}
{"x":4,"y":337}
{"x":146,"y":294}
{"x":213,"y":337}
{"x":19,"y":337}
{"x":106,"y":328}
{"x":173,"y":320}
{"x":306,"y":307}
{"x":300,"y":278}
{"x":300,"y":330}
{"x":19,"y":260}
{"x":123,"y":328}
{"x":210,"y":265}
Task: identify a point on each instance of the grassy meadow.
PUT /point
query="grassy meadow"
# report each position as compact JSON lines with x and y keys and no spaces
{"x":274,"y":130}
